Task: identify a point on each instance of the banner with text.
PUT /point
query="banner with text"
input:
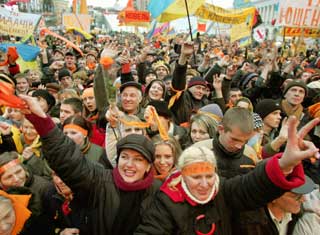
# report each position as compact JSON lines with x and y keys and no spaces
{"x":299,"y":13}
{"x":227,"y":16}
{"x":17,"y":23}
{"x":299,"y":32}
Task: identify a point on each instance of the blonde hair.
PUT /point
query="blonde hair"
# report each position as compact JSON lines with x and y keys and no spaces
{"x":192,"y":155}
{"x":172,"y":143}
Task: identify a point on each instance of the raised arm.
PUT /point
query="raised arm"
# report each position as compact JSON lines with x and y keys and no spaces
{"x":62,"y":154}
{"x":179,"y":73}
{"x":271,"y":179}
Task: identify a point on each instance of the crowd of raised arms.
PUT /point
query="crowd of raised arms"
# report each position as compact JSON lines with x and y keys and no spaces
{"x":160,"y":137}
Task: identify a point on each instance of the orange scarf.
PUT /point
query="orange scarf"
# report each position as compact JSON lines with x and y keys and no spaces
{"x":314,"y":110}
{"x":19,"y":203}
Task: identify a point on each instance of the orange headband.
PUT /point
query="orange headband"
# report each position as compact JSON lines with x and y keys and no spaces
{"x":76,"y":127}
{"x":9,"y":165}
{"x":197,"y":168}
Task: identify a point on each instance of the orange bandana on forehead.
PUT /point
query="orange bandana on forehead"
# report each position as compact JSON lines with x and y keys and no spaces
{"x":9,"y":165}
{"x":197,"y":168}
{"x":76,"y":127}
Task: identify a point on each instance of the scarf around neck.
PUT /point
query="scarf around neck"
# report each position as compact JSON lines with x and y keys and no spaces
{"x":211,"y":196}
{"x":145,"y":183}
{"x":289,"y":110}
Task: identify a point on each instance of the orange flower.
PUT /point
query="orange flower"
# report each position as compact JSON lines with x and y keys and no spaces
{"x":106,"y":62}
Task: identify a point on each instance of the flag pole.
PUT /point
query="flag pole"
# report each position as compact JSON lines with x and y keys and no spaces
{"x":190,"y":30}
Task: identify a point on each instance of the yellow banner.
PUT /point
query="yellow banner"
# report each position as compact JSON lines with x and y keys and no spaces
{"x":239,"y":31}
{"x":17,"y":23}
{"x":221,"y":15}
{"x":304,"y":32}
{"x":77,"y":21}
{"x":178,"y":10}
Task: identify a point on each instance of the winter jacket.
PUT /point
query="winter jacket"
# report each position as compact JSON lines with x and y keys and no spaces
{"x":92,"y":181}
{"x":185,"y":105}
{"x":60,"y":217}
{"x":173,"y":213}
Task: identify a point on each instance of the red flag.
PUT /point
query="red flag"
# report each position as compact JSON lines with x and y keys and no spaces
{"x":202,"y":27}
{"x":14,"y":2}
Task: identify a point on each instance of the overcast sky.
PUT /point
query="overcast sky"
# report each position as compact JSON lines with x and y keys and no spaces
{"x":109,"y":3}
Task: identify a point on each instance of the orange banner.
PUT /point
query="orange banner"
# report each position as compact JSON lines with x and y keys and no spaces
{"x":304,"y":32}
{"x":137,"y":16}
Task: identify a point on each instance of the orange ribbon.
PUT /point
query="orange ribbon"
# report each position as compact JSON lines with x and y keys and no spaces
{"x":68,"y":43}
{"x":7,"y":97}
{"x":154,"y":116}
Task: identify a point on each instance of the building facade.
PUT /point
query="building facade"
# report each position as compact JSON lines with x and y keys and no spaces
{"x":141,"y":5}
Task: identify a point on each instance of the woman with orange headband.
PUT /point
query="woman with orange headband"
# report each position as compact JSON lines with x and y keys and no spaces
{"x":195,"y":200}
{"x":79,"y":130}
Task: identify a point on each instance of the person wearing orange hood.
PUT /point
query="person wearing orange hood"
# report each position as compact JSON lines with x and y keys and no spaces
{"x":13,"y":212}
{"x":9,"y":61}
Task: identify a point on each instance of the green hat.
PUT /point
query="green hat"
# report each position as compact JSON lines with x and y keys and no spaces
{"x":298,"y":83}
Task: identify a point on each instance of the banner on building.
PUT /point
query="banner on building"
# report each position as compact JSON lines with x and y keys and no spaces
{"x":17,"y":23}
{"x":239,"y":31}
{"x":299,"y":13}
{"x":303,"y":32}
{"x":80,"y":21}
{"x":221,"y":15}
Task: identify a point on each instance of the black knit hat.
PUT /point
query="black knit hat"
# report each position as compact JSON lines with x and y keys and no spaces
{"x":161,"y":108}
{"x":246,"y":79}
{"x":51,"y":101}
{"x":64,"y":73}
{"x":150,"y":71}
{"x":131,"y":83}
{"x":267,"y":106}
{"x":197,"y":81}
{"x":298,"y":83}
{"x":139,"y":143}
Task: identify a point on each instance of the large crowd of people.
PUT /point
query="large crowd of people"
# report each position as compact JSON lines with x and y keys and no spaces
{"x":161,"y":136}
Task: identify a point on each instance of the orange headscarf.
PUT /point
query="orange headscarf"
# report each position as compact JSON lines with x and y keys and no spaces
{"x":19,"y":203}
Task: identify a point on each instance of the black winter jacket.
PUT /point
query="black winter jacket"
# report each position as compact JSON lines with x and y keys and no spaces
{"x":166,"y":217}
{"x":185,"y":105}
{"x":90,"y":180}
